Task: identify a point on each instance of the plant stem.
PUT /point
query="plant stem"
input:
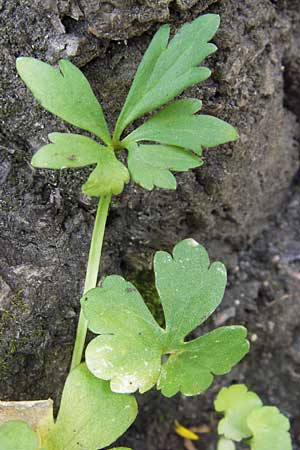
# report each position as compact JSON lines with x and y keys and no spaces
{"x":91,"y":274}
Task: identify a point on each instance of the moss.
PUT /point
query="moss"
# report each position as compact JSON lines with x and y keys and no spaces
{"x":145,"y":283}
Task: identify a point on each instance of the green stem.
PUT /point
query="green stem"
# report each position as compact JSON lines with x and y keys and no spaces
{"x":91,"y":274}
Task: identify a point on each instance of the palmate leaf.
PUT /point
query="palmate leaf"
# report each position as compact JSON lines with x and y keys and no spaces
{"x":176,"y":125}
{"x":131,"y":345}
{"x":65,"y":93}
{"x":151,"y":165}
{"x":269,"y":429}
{"x":17,"y":435}
{"x":236,"y":403}
{"x":74,"y":150}
{"x":90,"y":416}
{"x":166,"y":71}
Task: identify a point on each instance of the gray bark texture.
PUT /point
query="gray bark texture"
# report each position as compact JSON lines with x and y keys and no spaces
{"x":243,"y":203}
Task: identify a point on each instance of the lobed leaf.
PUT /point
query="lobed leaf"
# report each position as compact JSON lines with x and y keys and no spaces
{"x":17,"y":435}
{"x":131,"y":345}
{"x":109,"y":177}
{"x":74,"y":150}
{"x":269,"y":429}
{"x":67,"y":151}
{"x":189,"y":287}
{"x":90,"y":416}
{"x":174,"y":125}
{"x":236,"y":403}
{"x":65,"y":93}
{"x":171,"y":69}
{"x":128,"y":352}
{"x":191,"y":369}
{"x":151,"y":165}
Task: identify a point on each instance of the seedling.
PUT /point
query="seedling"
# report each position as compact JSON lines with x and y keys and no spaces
{"x":246,"y":419}
{"x":96,"y":406}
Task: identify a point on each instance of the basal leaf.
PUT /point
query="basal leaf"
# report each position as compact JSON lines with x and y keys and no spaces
{"x":65,"y":93}
{"x":108,"y":177}
{"x":269,"y":429}
{"x":190,"y":370}
{"x":68,"y":150}
{"x":173,"y":69}
{"x":128,"y":352}
{"x":151,"y":165}
{"x":189,"y":287}
{"x":156,"y":47}
{"x":131,"y":345}
{"x":225,"y":444}
{"x":90,"y":416}
{"x":236,"y":403}
{"x":176,"y":126}
{"x":17,"y":435}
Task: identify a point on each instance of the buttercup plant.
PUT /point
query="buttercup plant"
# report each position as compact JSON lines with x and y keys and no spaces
{"x":97,"y":405}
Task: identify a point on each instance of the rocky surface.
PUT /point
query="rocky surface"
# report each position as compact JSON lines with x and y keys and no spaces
{"x":45,"y":223}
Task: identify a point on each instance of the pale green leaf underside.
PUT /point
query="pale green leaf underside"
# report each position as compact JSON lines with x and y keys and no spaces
{"x":270,"y":429}
{"x":74,"y":150}
{"x":151,"y":165}
{"x":225,"y":444}
{"x":189,"y":287}
{"x":91,"y":416}
{"x":168,"y":71}
{"x":236,"y":402}
{"x":130,"y":347}
{"x":191,"y":371}
{"x":17,"y":435}
{"x":175,"y":126}
{"x":65,"y":93}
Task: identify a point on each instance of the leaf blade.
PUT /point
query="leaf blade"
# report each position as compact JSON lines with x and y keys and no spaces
{"x":191,"y":370}
{"x":65,"y":93}
{"x":206,"y":287}
{"x":151,"y":165}
{"x":88,"y":412}
{"x":67,"y":151}
{"x":175,"y":68}
{"x":236,"y":403}
{"x":270,"y":429}
{"x":128,"y":351}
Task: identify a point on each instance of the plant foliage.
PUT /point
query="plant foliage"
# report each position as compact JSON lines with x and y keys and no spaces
{"x":131,"y":344}
{"x":177,"y":133}
{"x":245,"y":417}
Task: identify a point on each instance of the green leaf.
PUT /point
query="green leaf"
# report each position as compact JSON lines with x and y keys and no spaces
{"x":90,"y":416}
{"x":236,"y":402}
{"x":17,"y":435}
{"x":65,"y":93}
{"x":74,"y":150}
{"x":67,"y":150}
{"x":121,"y":448}
{"x":128,"y":352}
{"x":189,"y":287}
{"x":131,"y":345}
{"x":151,"y":165}
{"x":156,"y":47}
{"x":191,"y":369}
{"x":225,"y":444}
{"x":175,"y":125}
{"x":108,"y":177}
{"x":270,"y":429}
{"x":170,"y":70}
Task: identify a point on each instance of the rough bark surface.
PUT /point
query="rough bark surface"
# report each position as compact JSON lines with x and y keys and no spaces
{"x":45,"y":223}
